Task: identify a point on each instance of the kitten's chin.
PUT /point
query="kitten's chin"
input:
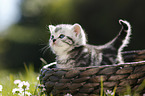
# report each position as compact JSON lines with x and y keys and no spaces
{"x":60,"y":50}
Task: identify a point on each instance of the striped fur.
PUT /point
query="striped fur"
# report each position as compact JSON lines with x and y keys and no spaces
{"x":68,"y":42}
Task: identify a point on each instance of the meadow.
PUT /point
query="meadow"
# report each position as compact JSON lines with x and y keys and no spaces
{"x":21,"y":83}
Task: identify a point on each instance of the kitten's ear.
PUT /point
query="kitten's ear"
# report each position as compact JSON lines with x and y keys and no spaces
{"x":51,"y":28}
{"x":77,"y":28}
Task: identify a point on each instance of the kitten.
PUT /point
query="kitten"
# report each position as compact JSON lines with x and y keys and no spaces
{"x":68,"y":42}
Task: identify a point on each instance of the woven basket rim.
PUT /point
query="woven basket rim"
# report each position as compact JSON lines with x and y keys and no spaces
{"x":134,"y":51}
{"x":103,"y":66}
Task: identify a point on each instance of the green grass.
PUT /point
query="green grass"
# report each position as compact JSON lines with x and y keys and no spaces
{"x":7,"y":81}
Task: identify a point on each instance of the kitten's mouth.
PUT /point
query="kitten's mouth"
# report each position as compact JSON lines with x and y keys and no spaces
{"x":55,"y":44}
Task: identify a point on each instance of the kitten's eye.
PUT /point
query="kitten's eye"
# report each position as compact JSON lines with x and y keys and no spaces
{"x":52,"y":37}
{"x":61,"y":36}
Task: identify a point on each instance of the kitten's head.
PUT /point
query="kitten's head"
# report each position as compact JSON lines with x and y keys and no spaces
{"x":65,"y":37}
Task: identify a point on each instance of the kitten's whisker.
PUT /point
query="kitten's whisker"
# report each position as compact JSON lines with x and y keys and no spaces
{"x":44,"y":49}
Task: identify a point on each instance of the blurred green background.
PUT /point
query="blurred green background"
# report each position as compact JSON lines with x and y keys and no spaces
{"x":23,"y":40}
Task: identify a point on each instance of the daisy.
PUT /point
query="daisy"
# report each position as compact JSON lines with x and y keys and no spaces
{"x":24,"y":85}
{"x":17,"y":91}
{"x":1,"y":87}
{"x":108,"y":92}
{"x":17,"y":82}
{"x":68,"y":94}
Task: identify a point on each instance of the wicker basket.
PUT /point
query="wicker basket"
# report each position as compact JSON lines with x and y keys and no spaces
{"x":86,"y":81}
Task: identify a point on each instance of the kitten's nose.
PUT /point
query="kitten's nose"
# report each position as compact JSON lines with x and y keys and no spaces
{"x":54,"y":40}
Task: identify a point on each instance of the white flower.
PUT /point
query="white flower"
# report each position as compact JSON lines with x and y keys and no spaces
{"x":68,"y":94}
{"x":38,"y":78}
{"x":1,"y":87}
{"x":17,"y":91}
{"x":17,"y":82}
{"x":108,"y":92}
{"x":26,"y":94}
{"x":24,"y":85}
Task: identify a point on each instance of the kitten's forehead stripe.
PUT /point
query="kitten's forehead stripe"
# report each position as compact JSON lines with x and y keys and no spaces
{"x":57,"y":29}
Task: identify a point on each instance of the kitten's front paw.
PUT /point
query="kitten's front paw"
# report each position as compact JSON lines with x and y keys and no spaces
{"x":51,"y":65}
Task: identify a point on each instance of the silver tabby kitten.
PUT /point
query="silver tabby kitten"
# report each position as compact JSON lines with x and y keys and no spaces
{"x":68,"y":42}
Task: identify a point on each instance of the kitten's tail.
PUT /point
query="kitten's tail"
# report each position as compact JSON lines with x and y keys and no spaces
{"x":123,"y":38}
